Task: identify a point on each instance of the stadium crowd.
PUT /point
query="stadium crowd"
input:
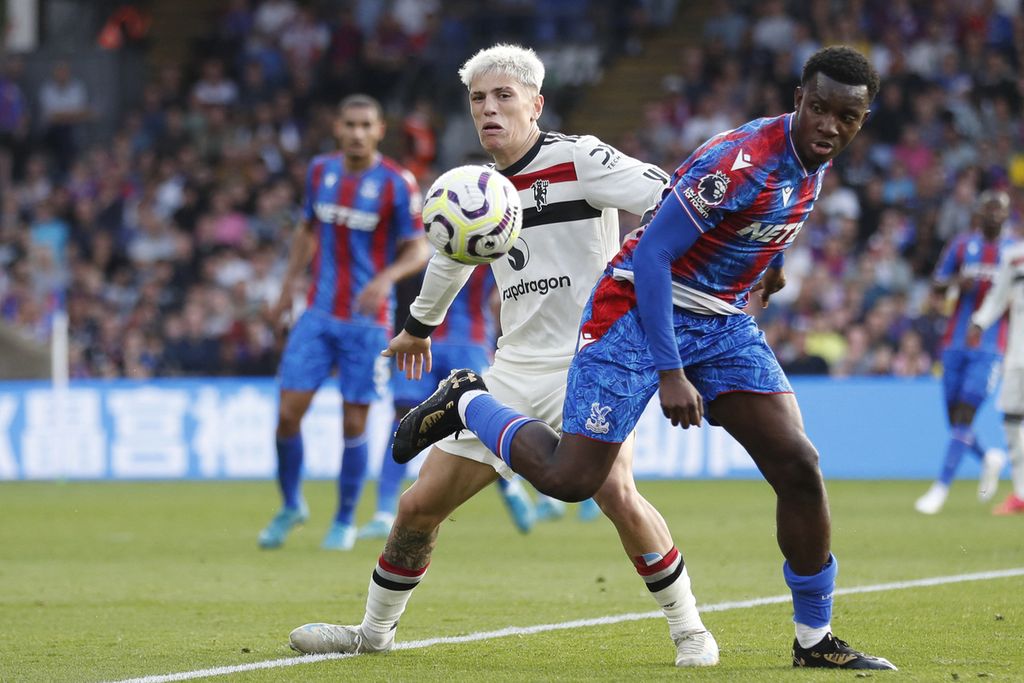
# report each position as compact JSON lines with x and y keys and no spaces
{"x":167,"y":242}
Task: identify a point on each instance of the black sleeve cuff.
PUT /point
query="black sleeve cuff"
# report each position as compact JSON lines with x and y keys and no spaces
{"x":418,"y":329}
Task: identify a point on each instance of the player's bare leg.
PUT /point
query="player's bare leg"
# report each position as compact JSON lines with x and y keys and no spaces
{"x":571,"y":468}
{"x":962,"y":438}
{"x":444,"y":483}
{"x":648,"y":543}
{"x":292,"y":406}
{"x":770,"y":428}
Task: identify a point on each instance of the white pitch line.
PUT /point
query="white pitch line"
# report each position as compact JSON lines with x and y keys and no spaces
{"x":577,"y":623}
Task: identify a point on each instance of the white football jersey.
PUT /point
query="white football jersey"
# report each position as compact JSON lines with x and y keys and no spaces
{"x":1007,"y":292}
{"x":571,"y":188}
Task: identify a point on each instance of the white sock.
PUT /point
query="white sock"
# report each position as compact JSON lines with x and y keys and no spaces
{"x":464,"y":402}
{"x":1015,"y":441}
{"x":809,"y":637}
{"x":389,"y":593}
{"x":671,"y":590}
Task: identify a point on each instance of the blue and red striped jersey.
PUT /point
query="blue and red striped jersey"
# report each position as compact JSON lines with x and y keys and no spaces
{"x":972,"y":261}
{"x":470,"y":319}
{"x":749,"y":194}
{"x":359,"y":220}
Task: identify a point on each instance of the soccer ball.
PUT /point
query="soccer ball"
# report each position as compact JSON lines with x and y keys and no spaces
{"x":472,"y":214}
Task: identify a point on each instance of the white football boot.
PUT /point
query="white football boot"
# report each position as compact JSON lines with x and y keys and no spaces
{"x":991,"y":468}
{"x":696,"y":648}
{"x":320,"y":639}
{"x":932,"y":501}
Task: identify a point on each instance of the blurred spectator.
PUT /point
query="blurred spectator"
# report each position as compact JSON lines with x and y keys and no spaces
{"x":274,"y":16}
{"x":214,"y":87}
{"x":174,"y":227}
{"x":304,"y":41}
{"x":63,"y":107}
{"x":14,"y":122}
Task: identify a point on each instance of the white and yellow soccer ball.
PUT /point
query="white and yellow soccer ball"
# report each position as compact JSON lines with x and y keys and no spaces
{"x":472,"y":214}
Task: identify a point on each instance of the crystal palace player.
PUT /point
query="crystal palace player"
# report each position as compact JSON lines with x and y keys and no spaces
{"x":571,"y":188}
{"x":1007,"y":293}
{"x":667,"y":317}
{"x":970,"y":367}
{"x":363,"y":232}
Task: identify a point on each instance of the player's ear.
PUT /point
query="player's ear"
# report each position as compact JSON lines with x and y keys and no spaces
{"x":538,"y":107}
{"x":798,"y":96}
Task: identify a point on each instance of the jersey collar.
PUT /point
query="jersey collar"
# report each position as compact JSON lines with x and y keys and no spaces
{"x":790,"y":145}
{"x":530,"y":155}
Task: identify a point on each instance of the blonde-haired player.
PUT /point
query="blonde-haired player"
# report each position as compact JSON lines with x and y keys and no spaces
{"x":572,"y":188}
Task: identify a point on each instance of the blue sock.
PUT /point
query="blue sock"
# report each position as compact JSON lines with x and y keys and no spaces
{"x":352,"y":476}
{"x":289,"y":469}
{"x":960,"y":440}
{"x":495,"y":424}
{"x":391,"y":476}
{"x":812,"y":595}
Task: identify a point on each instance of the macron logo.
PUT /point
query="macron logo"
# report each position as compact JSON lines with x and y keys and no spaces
{"x":742,"y":161}
{"x":786,"y":193}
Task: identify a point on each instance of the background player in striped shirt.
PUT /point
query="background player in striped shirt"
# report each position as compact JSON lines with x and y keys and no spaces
{"x":1007,"y":292}
{"x":363,"y":232}
{"x":572,"y":188}
{"x":970,"y":366}
{"x":667,"y":317}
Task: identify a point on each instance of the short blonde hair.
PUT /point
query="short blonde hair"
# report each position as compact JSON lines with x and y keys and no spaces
{"x":521,"y":63}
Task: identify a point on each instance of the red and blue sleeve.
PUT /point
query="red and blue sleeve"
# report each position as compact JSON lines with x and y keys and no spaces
{"x":948,"y":262}
{"x":668,"y":236}
{"x":408,"y":219}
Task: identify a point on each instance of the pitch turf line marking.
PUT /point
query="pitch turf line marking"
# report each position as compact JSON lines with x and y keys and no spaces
{"x":578,"y":623}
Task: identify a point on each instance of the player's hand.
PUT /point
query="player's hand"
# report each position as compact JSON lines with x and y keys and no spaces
{"x":276,"y":313}
{"x":411,"y":354}
{"x":973,"y":335}
{"x":681,"y":403}
{"x":369,"y":301}
{"x":773,"y":280}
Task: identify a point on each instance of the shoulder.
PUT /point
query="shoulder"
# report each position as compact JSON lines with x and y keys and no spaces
{"x":321,"y":160}
{"x":1012,"y":248}
{"x":395,"y":170}
{"x":590,"y":152}
{"x":553,"y":139}
{"x":591,"y":147}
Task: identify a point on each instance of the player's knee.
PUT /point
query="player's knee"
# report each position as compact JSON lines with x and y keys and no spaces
{"x":571,"y":487}
{"x":289,"y":422}
{"x":791,"y":465}
{"x":416,"y":511}
{"x":803,"y":474}
{"x":618,"y":500}
{"x":353,"y":420}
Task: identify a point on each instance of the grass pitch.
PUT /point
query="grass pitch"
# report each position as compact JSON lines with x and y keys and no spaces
{"x":109,"y":581}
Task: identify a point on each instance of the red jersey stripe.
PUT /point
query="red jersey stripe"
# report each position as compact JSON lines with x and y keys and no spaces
{"x":343,"y":253}
{"x":559,"y":173}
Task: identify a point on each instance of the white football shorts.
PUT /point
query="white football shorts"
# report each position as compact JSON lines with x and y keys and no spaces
{"x":533,"y":393}
{"x":1011,"y":396}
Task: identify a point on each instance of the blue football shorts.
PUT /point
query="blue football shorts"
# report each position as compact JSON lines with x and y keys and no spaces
{"x":969,"y":376}
{"x":445,"y":357}
{"x":319,"y":343}
{"x":612,"y":377}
